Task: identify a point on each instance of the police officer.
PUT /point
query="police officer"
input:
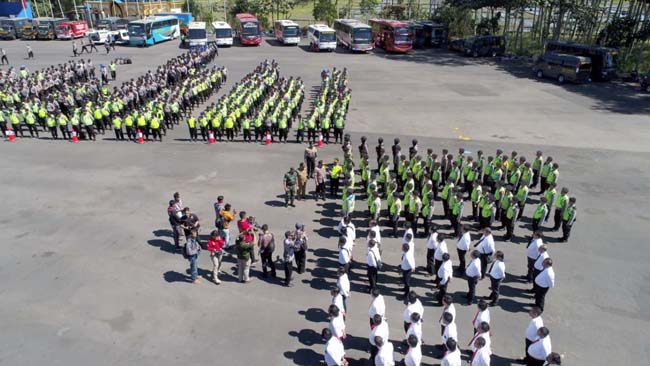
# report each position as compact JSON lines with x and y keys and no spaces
{"x":568,"y":218}
{"x":289,"y":182}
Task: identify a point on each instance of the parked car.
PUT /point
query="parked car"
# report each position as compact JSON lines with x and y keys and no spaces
{"x":645,"y":83}
{"x":456,"y":45}
{"x":485,"y":46}
{"x":563,"y":67}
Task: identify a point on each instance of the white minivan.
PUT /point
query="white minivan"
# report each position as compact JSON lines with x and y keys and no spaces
{"x":222,"y":33}
{"x":321,"y":38}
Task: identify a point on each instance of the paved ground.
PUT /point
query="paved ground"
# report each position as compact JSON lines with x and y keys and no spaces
{"x":89,"y":269}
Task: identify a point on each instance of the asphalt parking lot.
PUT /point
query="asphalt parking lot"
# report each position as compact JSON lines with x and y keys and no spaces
{"x":90,"y":274}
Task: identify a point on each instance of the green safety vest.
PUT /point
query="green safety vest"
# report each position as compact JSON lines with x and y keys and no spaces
{"x":551,"y":177}
{"x":445,"y":191}
{"x":50,"y":121}
{"x":29,"y":119}
{"x":63,"y":120}
{"x":538,"y":163}
{"x":486,"y":211}
{"x":561,"y":201}
{"x":550,"y":195}
{"x":336,"y":169}
{"x":396,"y":207}
{"x":154,"y":123}
{"x":191,"y":122}
{"x":229,"y":123}
{"x":511,"y":211}
{"x":456,"y":208}
{"x":545,"y":170}
{"x":539,"y":211}
{"x":128,"y":121}
{"x":498,"y":193}
{"x":245,"y":124}
{"x":522,"y":193}
{"x":568,"y":212}
{"x":476,"y":194}
{"x":117,"y":122}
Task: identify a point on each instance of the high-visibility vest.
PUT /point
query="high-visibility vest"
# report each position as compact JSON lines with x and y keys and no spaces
{"x":550,"y":196}
{"x":537,"y":163}
{"x":476,"y":194}
{"x":511,"y":211}
{"x":486,"y":211}
{"x":455,"y":210}
{"x":522,"y":193}
{"x":229,"y":123}
{"x":396,"y":207}
{"x":505,"y":200}
{"x":539,"y":211}
{"x":546,"y":168}
{"x":117,"y":122}
{"x":128,"y":121}
{"x":154,"y":123}
{"x":191,"y":122}
{"x":63,"y":120}
{"x":30,"y":119}
{"x":498,"y":193}
{"x":445,"y":190}
{"x":552,"y":176}
{"x":568,"y":212}
{"x":336,"y":170}
{"x":561,"y":201}
{"x":51,"y":122}
{"x":471,"y":175}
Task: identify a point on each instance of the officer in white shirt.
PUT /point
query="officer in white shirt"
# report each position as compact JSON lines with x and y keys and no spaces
{"x":345,"y":254}
{"x":497,"y":273}
{"x":445,"y":274}
{"x":451,"y":330}
{"x":483,"y":331}
{"x":473,"y":273}
{"x":463,"y":246}
{"x":452,"y":354}
{"x":534,"y":324}
{"x":447,"y":307}
{"x":485,"y":246}
{"x":347,"y":228}
{"x":377,"y":306}
{"x":337,"y":323}
{"x":441,"y":249}
{"x":414,"y":305}
{"x":532,"y":253}
{"x":334,"y":351}
{"x":407,"y":232}
{"x":543,"y":282}
{"x":553,"y":359}
{"x":480,"y":355}
{"x":380,"y":329}
{"x":539,"y":349}
{"x":414,"y":352}
{"x":337,"y":299}
{"x":373,"y":260}
{"x":482,"y":314}
{"x":385,"y":355}
{"x":432,"y":245}
{"x":407,"y":267}
{"x":415,"y":327}
{"x":542,"y":254}
{"x":343,"y":283}
{"x":374,"y":228}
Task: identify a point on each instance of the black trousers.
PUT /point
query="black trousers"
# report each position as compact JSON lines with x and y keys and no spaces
{"x":461,"y":260}
{"x":436,"y":267}
{"x":406,"y":280}
{"x":430,"y":262}
{"x":536,"y":222}
{"x":531,"y":268}
{"x":311,"y":164}
{"x":496,"y":287}
{"x":557,"y":219}
{"x":288,"y":272}
{"x":320,"y":190}
{"x":267,"y":261}
{"x":566,"y":230}
{"x":373,"y":352}
{"x":484,"y":263}
{"x":540,"y":296}
{"x":372,"y":277}
{"x":510,"y":227}
{"x":334,"y":186}
{"x":471,"y":288}
{"x":442,"y":291}
{"x":301,"y":257}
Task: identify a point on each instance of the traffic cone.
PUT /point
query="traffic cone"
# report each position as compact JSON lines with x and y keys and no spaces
{"x":74,"y":136}
{"x":320,"y":139}
{"x":11,"y":136}
{"x":210,"y":137}
{"x":267,"y":138}
{"x":140,"y":138}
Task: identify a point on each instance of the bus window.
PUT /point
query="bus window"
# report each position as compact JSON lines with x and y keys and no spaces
{"x":361,"y":35}
{"x":327,"y":37}
{"x":136,"y":30}
{"x":250,"y":29}
{"x":290,"y":31}
{"x":223,"y":33}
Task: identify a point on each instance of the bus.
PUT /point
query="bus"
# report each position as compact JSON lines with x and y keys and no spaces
{"x":71,"y":30}
{"x":46,"y":28}
{"x":353,"y":34}
{"x":392,"y":35}
{"x":603,"y":59}
{"x":287,"y":32}
{"x":12,"y":28}
{"x":183,"y":19}
{"x":149,"y":31}
{"x":112,"y":23}
{"x":321,"y":38}
{"x":196,"y":35}
{"x":248,"y":29}
{"x":222,"y":33}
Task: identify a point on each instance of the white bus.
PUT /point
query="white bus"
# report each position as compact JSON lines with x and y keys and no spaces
{"x":222,"y":33}
{"x":354,"y":35}
{"x":197,"y":35}
{"x":321,"y":38}
{"x":287,"y":32}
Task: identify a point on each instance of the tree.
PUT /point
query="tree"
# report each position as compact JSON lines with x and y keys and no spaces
{"x":325,"y":10}
{"x":368,"y":6}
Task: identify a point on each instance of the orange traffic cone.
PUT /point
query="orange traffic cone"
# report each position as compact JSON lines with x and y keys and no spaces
{"x":210,"y":137}
{"x":267,"y":138}
{"x":11,"y":136}
{"x":74,"y":136}
{"x":139,"y":137}
{"x":320,"y":139}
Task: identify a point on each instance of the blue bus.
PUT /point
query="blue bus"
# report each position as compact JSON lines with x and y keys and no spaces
{"x":153,"y":30}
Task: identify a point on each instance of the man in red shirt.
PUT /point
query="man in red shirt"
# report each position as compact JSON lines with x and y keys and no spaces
{"x":215,"y":244}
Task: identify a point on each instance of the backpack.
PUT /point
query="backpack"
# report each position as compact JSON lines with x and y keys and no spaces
{"x":218,"y":223}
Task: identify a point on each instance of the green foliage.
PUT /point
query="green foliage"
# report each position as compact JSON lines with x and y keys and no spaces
{"x":620,"y":32}
{"x":394,"y":12}
{"x":325,"y":10}
{"x":488,"y":26}
{"x":459,"y":19}
{"x":367,"y":6}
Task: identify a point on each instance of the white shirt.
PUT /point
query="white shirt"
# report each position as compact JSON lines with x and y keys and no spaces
{"x":432,"y":242}
{"x":488,"y":342}
{"x":539,"y":263}
{"x":414,"y":356}
{"x":377,"y":306}
{"x":480,"y":317}
{"x":337,"y":326}
{"x":546,"y":279}
{"x":373,"y":256}
{"x":343,"y":283}
{"x":541,"y":348}
{"x":416,"y":330}
{"x":408,"y":260}
{"x":445,"y":272}
{"x":498,"y":270}
{"x":533,"y":326}
{"x":338,"y":301}
{"x":408,"y":231}
{"x":415,"y":307}
{"x":451,"y":331}
{"x":334,"y":352}
{"x":481,"y":358}
{"x":451,"y":358}
{"x":440,"y":250}
{"x":486,"y":245}
{"x":377,"y":231}
{"x":473,"y":268}
{"x":385,"y":355}
{"x":464,"y":242}
{"x":451,"y":309}
{"x":533,"y":249}
{"x":380,"y":330}
{"x":350,"y":231}
{"x":344,"y":255}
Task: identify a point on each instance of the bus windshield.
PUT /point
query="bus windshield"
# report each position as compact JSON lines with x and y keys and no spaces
{"x":103,"y":24}
{"x":328,"y":37}
{"x":361,"y":35}
{"x":249,"y":29}
{"x":403,"y":37}
{"x":136,"y":30}
{"x":223,"y":33}
{"x":62,"y":28}
{"x":290,"y":31}
{"x":197,"y":34}
{"x":44,"y":27}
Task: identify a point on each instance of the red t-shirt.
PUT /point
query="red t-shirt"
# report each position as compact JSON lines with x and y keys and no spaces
{"x":244,"y":226}
{"x":215,"y":245}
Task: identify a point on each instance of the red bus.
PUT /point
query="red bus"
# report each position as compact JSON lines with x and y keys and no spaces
{"x":248,"y":29}
{"x":392,"y":35}
{"x":72,"y":29}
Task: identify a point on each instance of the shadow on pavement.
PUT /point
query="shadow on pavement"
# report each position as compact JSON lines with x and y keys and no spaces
{"x":315,"y":315}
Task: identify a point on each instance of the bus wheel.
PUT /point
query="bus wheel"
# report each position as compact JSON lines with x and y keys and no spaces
{"x":540,"y":74}
{"x":560,"y":79}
